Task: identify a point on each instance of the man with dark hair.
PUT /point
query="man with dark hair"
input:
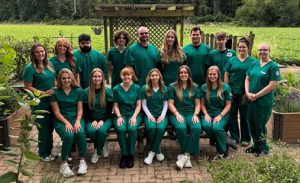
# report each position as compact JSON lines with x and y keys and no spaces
{"x":142,"y":56}
{"x":88,"y":59}
{"x":196,"y":54}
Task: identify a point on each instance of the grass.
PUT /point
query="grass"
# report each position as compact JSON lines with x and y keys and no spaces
{"x":283,"y":41}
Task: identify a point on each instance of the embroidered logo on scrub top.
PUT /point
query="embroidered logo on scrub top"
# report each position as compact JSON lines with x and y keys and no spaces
{"x":229,"y":54}
{"x":262,"y":72}
{"x":277,"y":73}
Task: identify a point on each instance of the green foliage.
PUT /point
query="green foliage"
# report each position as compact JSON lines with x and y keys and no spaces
{"x":53,"y":179}
{"x":8,"y":100}
{"x":285,"y":99}
{"x":292,"y":78}
{"x":7,"y":55}
{"x":8,"y":177}
{"x":269,"y":13}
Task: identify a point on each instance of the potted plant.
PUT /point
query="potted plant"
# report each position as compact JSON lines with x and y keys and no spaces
{"x":97,"y":29}
{"x":286,"y":113}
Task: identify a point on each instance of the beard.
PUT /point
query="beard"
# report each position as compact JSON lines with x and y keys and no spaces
{"x":86,"y":49}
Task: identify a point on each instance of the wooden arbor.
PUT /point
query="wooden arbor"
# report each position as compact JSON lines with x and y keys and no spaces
{"x":157,"y":17}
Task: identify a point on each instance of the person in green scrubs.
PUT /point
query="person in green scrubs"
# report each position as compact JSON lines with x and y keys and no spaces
{"x":197,"y":55}
{"x":98,"y":102}
{"x":142,"y":56}
{"x":235,"y":74}
{"x":116,"y":55}
{"x":260,"y":83}
{"x":66,"y":103}
{"x":155,"y":106}
{"x":64,"y":58}
{"x":221,"y":55}
{"x":88,"y":59}
{"x":215,"y":104}
{"x":127,"y":118}
{"x":184,"y":104}
{"x":172,"y":57}
{"x":40,"y":76}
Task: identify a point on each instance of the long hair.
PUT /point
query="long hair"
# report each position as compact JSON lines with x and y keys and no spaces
{"x":92,"y":94}
{"x":209,"y":84}
{"x":149,"y":86}
{"x":178,"y":84}
{"x":34,"y":60}
{"x":174,"y":52}
{"x":68,"y":71}
{"x":117,"y":35}
{"x":69,"y":54}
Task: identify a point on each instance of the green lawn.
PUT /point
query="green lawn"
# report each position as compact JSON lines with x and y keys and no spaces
{"x":284,"y":41}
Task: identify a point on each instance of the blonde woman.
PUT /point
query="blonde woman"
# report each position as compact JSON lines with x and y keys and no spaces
{"x":40,"y":76}
{"x":184,"y":104}
{"x":172,"y":57}
{"x":155,"y":106}
{"x":64,"y":58}
{"x":66,"y":103}
{"x":215,"y":104}
{"x":98,"y":101}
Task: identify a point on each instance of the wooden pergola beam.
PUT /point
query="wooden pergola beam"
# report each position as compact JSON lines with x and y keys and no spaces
{"x":145,"y":13}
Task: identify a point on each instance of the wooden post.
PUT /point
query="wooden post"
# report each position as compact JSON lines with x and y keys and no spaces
{"x":111,"y":32}
{"x":212,"y":40}
{"x":105,"y":34}
{"x":207,"y":39}
{"x":251,"y":38}
{"x":234,"y":42}
{"x":181,"y":30}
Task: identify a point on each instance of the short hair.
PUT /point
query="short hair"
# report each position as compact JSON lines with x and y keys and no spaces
{"x":118,"y":33}
{"x":221,"y":35}
{"x":126,"y":71}
{"x":197,"y":28}
{"x":84,"y":37}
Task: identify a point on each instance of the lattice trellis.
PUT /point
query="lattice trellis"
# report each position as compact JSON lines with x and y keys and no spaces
{"x":157,"y":27}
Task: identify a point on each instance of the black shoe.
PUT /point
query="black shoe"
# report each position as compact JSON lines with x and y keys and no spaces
{"x":252,"y":150}
{"x":171,"y":135}
{"x":123,"y":162}
{"x":130,"y":161}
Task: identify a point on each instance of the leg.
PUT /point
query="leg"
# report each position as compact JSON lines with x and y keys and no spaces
{"x":233,"y":121}
{"x":67,"y":139}
{"x":245,"y":129}
{"x":194,"y":135}
{"x":160,"y":130}
{"x":101,"y":134}
{"x":121,"y":134}
{"x":219,"y":134}
{"x":91,"y":133}
{"x":132,"y":134}
{"x":151,"y":132}
{"x":45,"y":136}
{"x":181,"y":132}
{"x":81,"y":140}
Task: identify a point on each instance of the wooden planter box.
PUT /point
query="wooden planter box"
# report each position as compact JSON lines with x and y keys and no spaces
{"x":285,"y":127}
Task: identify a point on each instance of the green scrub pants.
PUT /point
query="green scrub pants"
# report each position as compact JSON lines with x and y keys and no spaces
{"x":127,"y":143}
{"x":188,"y":133}
{"x":99,"y":135}
{"x":69,"y":137}
{"x":155,"y":132}
{"x":217,"y":132}
{"x":258,"y":117}
{"x":45,"y":136}
{"x":236,"y":106}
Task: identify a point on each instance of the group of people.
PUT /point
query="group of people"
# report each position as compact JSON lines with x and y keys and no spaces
{"x":193,"y":88}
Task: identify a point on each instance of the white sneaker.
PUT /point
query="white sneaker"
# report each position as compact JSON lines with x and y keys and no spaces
{"x":188,"y":163}
{"x":160,"y":157}
{"x":82,"y":167}
{"x":65,"y":170}
{"x":48,"y":158}
{"x":149,"y":159}
{"x":105,"y":150}
{"x":95,"y":157}
{"x":181,"y":161}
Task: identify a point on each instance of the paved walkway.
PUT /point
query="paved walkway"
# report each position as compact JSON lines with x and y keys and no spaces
{"x":107,"y":170}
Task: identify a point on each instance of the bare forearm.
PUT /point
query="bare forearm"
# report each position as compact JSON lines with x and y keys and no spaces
{"x":271,"y":86}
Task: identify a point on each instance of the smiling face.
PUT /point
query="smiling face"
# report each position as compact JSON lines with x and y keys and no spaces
{"x":121,"y":41}
{"x":195,"y":36}
{"x":221,"y":42}
{"x":264,"y":52}
{"x":39,"y":54}
{"x":66,"y":80}
{"x":243,"y":48}
{"x":97,"y":78}
{"x":170,"y":39}
{"x":143,"y":34}
{"x":213,"y":75}
{"x":183,"y":74}
{"x":154,"y":77}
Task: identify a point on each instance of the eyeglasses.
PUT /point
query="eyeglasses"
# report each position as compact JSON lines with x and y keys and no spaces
{"x":263,"y":49}
{"x":143,"y":33}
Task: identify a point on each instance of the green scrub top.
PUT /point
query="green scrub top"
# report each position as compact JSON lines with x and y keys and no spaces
{"x":196,"y":60}
{"x":155,"y":103}
{"x":187,"y":105}
{"x":98,"y":111}
{"x":87,"y":62}
{"x":67,"y":103}
{"x":41,"y":81}
{"x":58,"y":65}
{"x":220,"y":59}
{"x":142,"y":59}
{"x":216,"y":105}
{"x":127,"y":99}
{"x":170,"y":70}
{"x":117,"y":59}
{"x":259,"y":78}
{"x":237,"y":73}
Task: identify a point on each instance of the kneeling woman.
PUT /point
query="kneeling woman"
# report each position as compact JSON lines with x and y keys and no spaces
{"x":184,"y":103}
{"x":127,"y":119}
{"x":66,"y":103}
{"x":98,"y":101}
{"x":215,"y":104}
{"x":155,"y":106}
